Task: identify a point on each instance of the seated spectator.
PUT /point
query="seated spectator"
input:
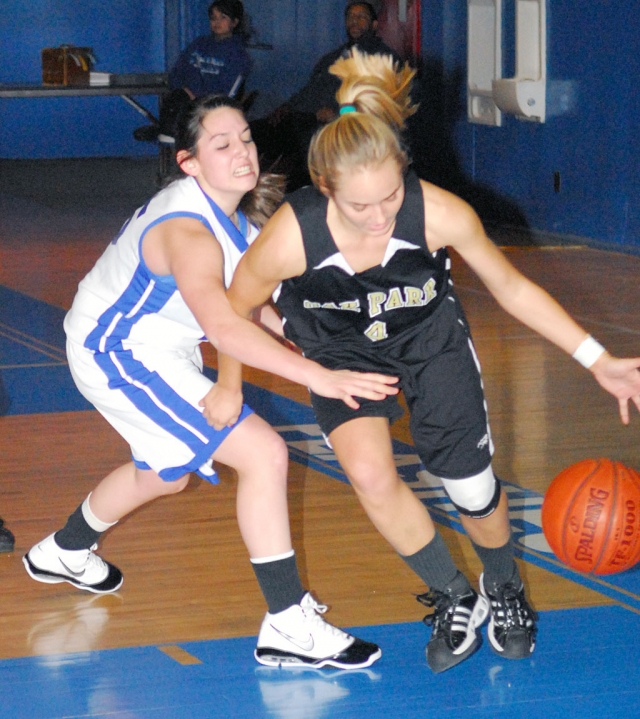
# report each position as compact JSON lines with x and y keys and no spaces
{"x":284,"y":136}
{"x":217,"y":63}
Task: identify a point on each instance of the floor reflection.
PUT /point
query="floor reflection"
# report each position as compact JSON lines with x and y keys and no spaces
{"x":66,"y":635}
{"x":307,"y":693}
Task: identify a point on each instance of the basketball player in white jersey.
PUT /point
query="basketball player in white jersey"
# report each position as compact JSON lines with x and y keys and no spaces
{"x":133,"y":336}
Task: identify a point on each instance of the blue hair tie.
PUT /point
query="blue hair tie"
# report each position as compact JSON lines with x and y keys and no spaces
{"x":345,"y":109}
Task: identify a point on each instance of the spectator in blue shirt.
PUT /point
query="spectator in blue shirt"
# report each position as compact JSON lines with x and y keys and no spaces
{"x":217,"y":63}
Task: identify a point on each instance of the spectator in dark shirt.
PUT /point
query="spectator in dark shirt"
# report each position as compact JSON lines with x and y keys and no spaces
{"x":318,"y":96}
{"x":283,"y":137}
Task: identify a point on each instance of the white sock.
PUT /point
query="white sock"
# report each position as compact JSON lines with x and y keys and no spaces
{"x":91,"y":519}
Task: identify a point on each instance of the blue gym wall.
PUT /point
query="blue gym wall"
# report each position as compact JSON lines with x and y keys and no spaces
{"x":125,"y":36}
{"x":592,"y":63}
{"x":590,"y":136}
{"x":129,"y":37}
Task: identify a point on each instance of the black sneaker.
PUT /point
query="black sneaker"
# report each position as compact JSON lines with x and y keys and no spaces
{"x":512,"y":629}
{"x":7,"y":540}
{"x":455,"y":621}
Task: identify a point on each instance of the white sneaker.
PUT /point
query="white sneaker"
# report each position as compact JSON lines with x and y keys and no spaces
{"x":300,"y":636}
{"x":47,"y":562}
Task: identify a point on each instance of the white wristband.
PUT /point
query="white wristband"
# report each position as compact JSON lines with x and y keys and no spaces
{"x":588,"y":352}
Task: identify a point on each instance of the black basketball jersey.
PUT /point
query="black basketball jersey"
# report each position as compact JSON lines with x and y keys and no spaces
{"x":330,"y":308}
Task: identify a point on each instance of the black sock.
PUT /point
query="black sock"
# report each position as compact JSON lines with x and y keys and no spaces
{"x":434,"y":565}
{"x":499,"y":565}
{"x":76,"y":533}
{"x":280,"y":583}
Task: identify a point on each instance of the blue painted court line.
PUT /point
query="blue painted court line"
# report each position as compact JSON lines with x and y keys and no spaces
{"x":34,"y":376}
{"x":585,"y":665}
{"x":38,"y":320}
{"x":34,"y":379}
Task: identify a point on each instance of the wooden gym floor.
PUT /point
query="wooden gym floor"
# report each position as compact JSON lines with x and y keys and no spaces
{"x":187,"y":577}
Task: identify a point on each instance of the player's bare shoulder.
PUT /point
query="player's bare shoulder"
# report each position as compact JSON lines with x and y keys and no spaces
{"x":278,"y":251}
{"x":177,"y":238}
{"x":449,"y":220}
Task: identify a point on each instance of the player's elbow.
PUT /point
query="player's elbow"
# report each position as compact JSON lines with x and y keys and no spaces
{"x":223,"y":331}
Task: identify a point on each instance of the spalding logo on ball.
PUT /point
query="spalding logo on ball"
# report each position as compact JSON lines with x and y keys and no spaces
{"x":591,"y":516}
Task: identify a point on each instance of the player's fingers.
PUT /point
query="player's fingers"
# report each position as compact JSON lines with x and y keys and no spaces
{"x":369,"y":394}
{"x":376,"y":387}
{"x":375,"y":377}
{"x":350,"y":401}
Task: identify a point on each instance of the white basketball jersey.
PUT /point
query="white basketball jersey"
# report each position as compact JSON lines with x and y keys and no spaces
{"x":121,"y":303}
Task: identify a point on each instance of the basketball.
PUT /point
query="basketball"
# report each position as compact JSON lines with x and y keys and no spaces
{"x":591,"y":516}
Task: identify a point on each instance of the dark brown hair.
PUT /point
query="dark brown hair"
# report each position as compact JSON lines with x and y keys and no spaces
{"x":265,"y":198}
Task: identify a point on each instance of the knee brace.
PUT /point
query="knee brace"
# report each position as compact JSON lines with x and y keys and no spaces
{"x":476,"y":496}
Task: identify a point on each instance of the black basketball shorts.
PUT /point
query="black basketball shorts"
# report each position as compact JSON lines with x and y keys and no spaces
{"x":440,"y":378}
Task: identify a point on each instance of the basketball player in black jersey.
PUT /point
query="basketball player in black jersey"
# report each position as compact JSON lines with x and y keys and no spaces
{"x":360,"y":269}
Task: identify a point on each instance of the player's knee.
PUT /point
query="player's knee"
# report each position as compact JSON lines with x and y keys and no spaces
{"x":270,"y":449}
{"x":279,"y":453}
{"x":476,"y":497}
{"x":265,"y":455}
{"x":372,"y":480}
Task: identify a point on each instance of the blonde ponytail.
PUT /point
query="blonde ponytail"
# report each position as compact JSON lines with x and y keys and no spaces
{"x":375,"y":95}
{"x":373,"y":84}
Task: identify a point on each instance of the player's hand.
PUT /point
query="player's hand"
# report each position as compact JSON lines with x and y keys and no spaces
{"x":222,"y":406}
{"x":621,"y":377}
{"x":347,"y":385}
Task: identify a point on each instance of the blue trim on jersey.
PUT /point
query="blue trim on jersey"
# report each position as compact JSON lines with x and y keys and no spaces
{"x":243,"y":222}
{"x":146,"y":294}
{"x":237,"y":236}
{"x":108,"y":338}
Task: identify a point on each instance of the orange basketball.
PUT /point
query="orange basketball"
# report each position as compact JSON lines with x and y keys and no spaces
{"x":591,"y":516}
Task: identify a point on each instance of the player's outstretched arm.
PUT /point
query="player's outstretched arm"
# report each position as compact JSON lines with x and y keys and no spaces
{"x":277,"y":254}
{"x":451,"y":222}
{"x":183,"y":248}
